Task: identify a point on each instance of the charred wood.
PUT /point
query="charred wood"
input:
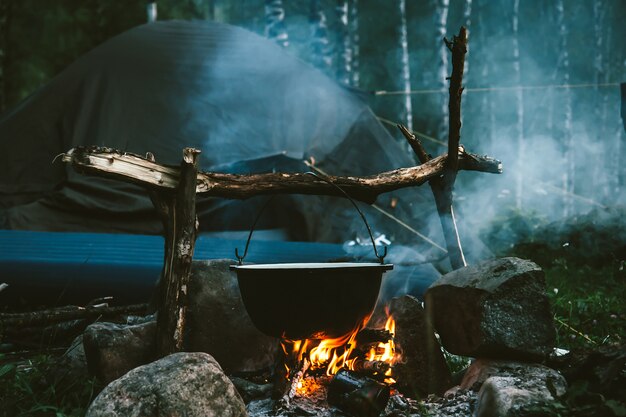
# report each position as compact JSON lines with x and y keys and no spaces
{"x":372,"y":336}
{"x":371,"y":367}
{"x":295,"y":377}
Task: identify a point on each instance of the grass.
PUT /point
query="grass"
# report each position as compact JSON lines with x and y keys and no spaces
{"x":588,"y":303}
{"x":25,"y":390}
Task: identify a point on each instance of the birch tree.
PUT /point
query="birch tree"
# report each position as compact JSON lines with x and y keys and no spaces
{"x":519,"y":107}
{"x":275,"y":28}
{"x":603,"y":128}
{"x":343,"y":45}
{"x":320,"y":46}
{"x":563,"y":118}
{"x":441,"y":21}
{"x":355,"y":41}
{"x":406,"y":69}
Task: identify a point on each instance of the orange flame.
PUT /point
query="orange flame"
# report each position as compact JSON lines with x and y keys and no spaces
{"x":334,"y":354}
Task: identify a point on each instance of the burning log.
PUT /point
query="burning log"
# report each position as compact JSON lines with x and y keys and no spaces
{"x":371,"y":367}
{"x":358,"y":395}
{"x":370,"y":336}
{"x":294,"y":379}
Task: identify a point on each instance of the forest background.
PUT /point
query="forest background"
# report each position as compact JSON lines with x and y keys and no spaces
{"x":542,"y":78}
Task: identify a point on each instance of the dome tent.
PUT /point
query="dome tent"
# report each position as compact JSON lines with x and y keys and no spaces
{"x":244,"y":101}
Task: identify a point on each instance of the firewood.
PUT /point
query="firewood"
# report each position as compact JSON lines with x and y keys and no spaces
{"x":371,"y":336}
{"x":371,"y":367}
{"x":295,"y":377}
{"x":43,"y":317}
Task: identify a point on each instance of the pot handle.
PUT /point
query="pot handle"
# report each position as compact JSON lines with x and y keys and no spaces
{"x":381,"y":258}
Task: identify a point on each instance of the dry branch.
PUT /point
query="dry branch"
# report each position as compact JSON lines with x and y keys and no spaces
{"x":443,"y":185}
{"x":43,"y":317}
{"x":157,"y":177}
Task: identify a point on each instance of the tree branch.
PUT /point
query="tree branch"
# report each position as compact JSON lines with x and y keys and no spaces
{"x":128,"y":167}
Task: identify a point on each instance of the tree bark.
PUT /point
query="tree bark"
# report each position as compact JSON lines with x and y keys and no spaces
{"x":563,"y":116}
{"x":442,"y":186}
{"x":180,"y":239}
{"x":132,"y":168}
{"x":44,"y":317}
{"x":406,"y":68}
{"x":441,"y":20}
{"x":343,"y":44}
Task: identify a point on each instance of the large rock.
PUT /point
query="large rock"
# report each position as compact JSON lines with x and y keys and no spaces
{"x":508,"y":388}
{"x":218,"y":323}
{"x":496,"y":309}
{"x":182,"y":384}
{"x":422,"y":369}
{"x":482,"y":369}
{"x":114,"y":349}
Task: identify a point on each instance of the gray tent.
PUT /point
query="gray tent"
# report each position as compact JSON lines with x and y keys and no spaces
{"x":246,"y":103}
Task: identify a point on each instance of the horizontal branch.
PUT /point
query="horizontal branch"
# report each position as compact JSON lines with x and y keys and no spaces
{"x":147,"y":173}
{"x":43,"y":317}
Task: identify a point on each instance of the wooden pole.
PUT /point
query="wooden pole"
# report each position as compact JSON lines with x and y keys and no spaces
{"x":178,"y":211}
{"x":443,"y":185}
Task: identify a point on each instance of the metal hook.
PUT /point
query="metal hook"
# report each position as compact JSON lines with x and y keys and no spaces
{"x":380,"y":258}
{"x":258,"y":216}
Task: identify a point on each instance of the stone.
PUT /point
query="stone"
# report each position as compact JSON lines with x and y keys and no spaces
{"x":218,"y":324}
{"x":422,"y":369}
{"x":114,"y":349}
{"x":496,"y":309}
{"x":181,"y":384}
{"x":506,"y":388}
{"x":249,"y":390}
{"x":482,"y":369}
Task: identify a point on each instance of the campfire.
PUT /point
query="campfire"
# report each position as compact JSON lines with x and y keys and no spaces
{"x":360,"y":360}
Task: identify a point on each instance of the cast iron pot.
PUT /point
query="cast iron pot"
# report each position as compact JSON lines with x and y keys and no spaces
{"x":309,"y":300}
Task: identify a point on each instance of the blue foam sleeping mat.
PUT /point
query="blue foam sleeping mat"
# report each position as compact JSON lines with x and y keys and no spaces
{"x":53,"y":268}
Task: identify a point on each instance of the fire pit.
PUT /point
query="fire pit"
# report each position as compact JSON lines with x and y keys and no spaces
{"x":309,"y":300}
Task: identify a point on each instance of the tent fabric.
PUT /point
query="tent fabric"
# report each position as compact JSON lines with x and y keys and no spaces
{"x":164,"y":86}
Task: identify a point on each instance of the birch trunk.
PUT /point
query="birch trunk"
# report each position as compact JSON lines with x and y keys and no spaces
{"x":344,"y":48}
{"x":275,"y":28}
{"x":519,"y":109}
{"x":441,"y":20}
{"x":467,"y":22}
{"x":603,"y":179}
{"x":563,"y":118}
{"x":406,"y":69}
{"x":355,"y":41}
{"x":320,"y":46}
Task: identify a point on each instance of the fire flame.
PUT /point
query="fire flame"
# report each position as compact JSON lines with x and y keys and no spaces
{"x":333,"y":355}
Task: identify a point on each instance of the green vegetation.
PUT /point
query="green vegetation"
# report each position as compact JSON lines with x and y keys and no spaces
{"x":26,"y":390}
{"x":584,"y":260}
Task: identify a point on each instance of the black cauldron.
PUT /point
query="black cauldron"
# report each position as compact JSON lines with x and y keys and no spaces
{"x":309,"y":300}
